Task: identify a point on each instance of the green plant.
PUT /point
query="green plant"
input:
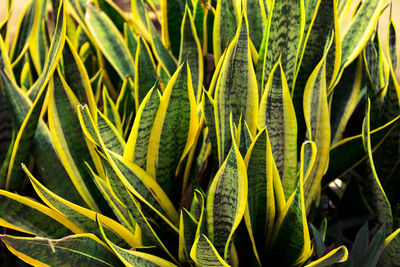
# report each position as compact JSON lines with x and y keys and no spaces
{"x":145,"y":152}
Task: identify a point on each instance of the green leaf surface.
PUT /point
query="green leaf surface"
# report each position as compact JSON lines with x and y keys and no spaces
{"x":190,"y":51}
{"x":236,"y":90}
{"x":187,"y":234}
{"x":203,"y":253}
{"x":134,"y":258}
{"x":276,"y":112}
{"x":110,"y":41}
{"x":77,"y":250}
{"x":28,"y":216}
{"x":138,"y":141}
{"x":174,"y":129}
{"x":226,"y":201}
{"x":83,"y":217}
{"x":55,"y":52}
{"x":317,"y":118}
{"x":286,"y":26}
{"x":260,"y":198}
{"x":360,"y":30}
{"x":225,"y":26}
{"x":145,"y":72}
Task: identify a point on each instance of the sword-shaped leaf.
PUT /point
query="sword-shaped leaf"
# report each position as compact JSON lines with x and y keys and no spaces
{"x":111,"y":112}
{"x":20,"y":153}
{"x":360,"y":30}
{"x":260,"y":211}
{"x":236,"y":90}
{"x":317,"y":118}
{"x":191,"y":51}
{"x":27,"y":25}
{"x":110,"y":41}
{"x":112,"y":10}
{"x":187,"y":234}
{"x":69,"y":140}
{"x":174,"y":129}
{"x":28,"y":216}
{"x":115,"y":204}
{"x":145,"y":72}
{"x":208,"y":111}
{"x":131,"y":203}
{"x":77,"y":77}
{"x":291,"y":240}
{"x":110,"y":136}
{"x":53,"y":171}
{"x":276,"y":112}
{"x":257,"y":18}
{"x":162,"y":54}
{"x":130,"y":40}
{"x":84,"y":218}
{"x":55,"y":52}
{"x":138,"y":141}
{"x":226,"y":200}
{"x":284,"y":35}
{"x":225,"y":26}
{"x":204,"y":253}
{"x":172,"y":16}
{"x":335,"y":256}
{"x":144,"y":187}
{"x":83,"y":249}
{"x":345,"y":98}
{"x":391,"y":42}
{"x":135,"y":179}
{"x":134,"y":258}
{"x":380,"y":203}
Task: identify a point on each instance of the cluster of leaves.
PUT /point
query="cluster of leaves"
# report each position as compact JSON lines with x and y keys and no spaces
{"x":217,"y":141}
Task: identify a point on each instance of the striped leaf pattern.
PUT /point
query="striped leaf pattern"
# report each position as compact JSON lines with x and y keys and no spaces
{"x":286,"y":26}
{"x":226,"y":201}
{"x":174,"y":129}
{"x":224,"y":28}
{"x":190,"y":50}
{"x":317,"y":116}
{"x":276,"y":112}
{"x":85,"y":249}
{"x":236,"y":90}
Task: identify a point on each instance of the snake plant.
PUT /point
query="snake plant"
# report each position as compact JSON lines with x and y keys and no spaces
{"x":200,"y":133}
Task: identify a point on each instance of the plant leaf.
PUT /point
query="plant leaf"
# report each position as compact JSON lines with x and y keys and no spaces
{"x":174,"y":129}
{"x":134,"y":258}
{"x":226,"y":22}
{"x":110,"y":41}
{"x":291,"y":241}
{"x":260,"y":213}
{"x":284,"y":34}
{"x":360,"y":30}
{"x":138,"y":141}
{"x":83,"y":217}
{"x":236,"y":90}
{"x":191,"y":51}
{"x":276,"y":112}
{"x":335,"y":256}
{"x":85,"y":249}
{"x":317,"y":118}
{"x":145,"y":72}
{"x":55,"y":52}
{"x":226,"y":200}
{"x":28,"y":216}
{"x":203,"y":253}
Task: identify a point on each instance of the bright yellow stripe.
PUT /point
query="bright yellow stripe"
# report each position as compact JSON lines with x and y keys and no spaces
{"x":328,"y":255}
{"x":110,"y":223}
{"x":61,"y":144}
{"x":155,"y":135}
{"x":43,"y":209}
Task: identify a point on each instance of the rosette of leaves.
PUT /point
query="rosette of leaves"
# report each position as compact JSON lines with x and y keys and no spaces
{"x":209,"y":143}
